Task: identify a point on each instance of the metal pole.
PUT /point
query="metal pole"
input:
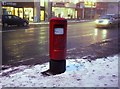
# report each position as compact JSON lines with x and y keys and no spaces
{"x":49,"y":10}
{"x":37,"y":10}
{"x":83,"y":13}
{"x":91,"y":11}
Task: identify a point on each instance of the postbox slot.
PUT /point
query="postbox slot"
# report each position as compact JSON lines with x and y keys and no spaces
{"x":58,"y":25}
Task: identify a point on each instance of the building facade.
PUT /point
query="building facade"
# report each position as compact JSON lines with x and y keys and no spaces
{"x":25,"y":10}
{"x":113,"y":8}
{"x":43,"y":10}
{"x":93,"y":11}
{"x":107,"y":8}
{"x":40,"y":10}
{"x":86,"y":10}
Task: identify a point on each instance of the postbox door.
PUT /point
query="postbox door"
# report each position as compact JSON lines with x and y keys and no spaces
{"x":59,"y":37}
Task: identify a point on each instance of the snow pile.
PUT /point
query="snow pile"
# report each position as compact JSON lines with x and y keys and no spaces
{"x":79,"y":73}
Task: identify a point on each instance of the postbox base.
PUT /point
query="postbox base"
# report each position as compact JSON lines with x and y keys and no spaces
{"x":57,"y":66}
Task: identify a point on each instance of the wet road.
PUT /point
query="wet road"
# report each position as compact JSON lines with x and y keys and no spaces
{"x":85,"y":34}
{"x":26,"y":44}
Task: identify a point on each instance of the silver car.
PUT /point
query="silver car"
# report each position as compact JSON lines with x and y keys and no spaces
{"x":107,"y":20}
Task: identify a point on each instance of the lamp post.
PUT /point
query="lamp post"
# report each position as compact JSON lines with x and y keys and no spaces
{"x":91,"y":10}
{"x":37,"y":10}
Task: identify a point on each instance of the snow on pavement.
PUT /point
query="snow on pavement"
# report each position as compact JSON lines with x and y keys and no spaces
{"x":79,"y":73}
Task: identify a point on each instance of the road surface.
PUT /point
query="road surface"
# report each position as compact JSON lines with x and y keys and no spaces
{"x":30,"y":45}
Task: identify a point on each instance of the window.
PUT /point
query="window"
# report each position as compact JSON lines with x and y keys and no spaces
{"x":42,"y":3}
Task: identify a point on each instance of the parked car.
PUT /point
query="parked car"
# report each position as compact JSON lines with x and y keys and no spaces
{"x":13,"y":20}
{"x":107,"y":20}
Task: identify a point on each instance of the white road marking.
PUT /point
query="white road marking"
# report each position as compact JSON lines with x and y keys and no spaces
{"x":71,"y":49}
{"x":109,"y":39}
{"x":80,"y":36}
{"x":25,"y":60}
{"x":8,"y":31}
{"x":23,"y":29}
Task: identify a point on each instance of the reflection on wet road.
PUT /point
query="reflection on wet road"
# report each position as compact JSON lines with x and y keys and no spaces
{"x":32,"y":43}
{"x":86,"y":34}
{"x":24,"y":44}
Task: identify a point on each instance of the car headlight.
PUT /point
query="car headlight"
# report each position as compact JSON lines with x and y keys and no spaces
{"x":105,"y":22}
{"x":102,"y":21}
{"x":96,"y":21}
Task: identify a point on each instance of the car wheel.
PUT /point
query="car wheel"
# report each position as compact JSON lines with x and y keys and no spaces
{"x":25,"y":24}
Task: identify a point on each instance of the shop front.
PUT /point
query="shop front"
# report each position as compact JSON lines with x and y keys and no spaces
{"x":68,"y":13}
{"x":24,"y":10}
{"x":42,"y":13}
{"x":63,"y":10}
{"x":89,"y":9}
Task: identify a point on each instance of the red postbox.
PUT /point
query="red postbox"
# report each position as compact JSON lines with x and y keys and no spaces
{"x":58,"y":41}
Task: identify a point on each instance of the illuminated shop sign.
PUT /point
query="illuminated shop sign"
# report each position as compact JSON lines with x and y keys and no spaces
{"x":58,"y":4}
{"x":89,"y":3}
{"x":63,"y":4}
{"x":9,"y":4}
{"x":70,"y":5}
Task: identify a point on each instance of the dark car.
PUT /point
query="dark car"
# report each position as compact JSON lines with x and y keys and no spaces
{"x":13,"y":20}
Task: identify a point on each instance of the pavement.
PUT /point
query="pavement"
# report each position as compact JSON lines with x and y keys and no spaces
{"x":43,"y":23}
{"x":102,"y":72}
{"x":46,"y":23}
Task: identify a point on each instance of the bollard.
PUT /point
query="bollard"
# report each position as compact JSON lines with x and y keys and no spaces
{"x":57,"y":45}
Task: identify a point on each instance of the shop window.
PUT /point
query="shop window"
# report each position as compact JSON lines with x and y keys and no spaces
{"x":8,"y":10}
{"x":21,"y":12}
{"x":28,"y":14}
{"x":5,"y":11}
{"x":42,"y":15}
{"x":42,"y":3}
{"x":16,"y":11}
